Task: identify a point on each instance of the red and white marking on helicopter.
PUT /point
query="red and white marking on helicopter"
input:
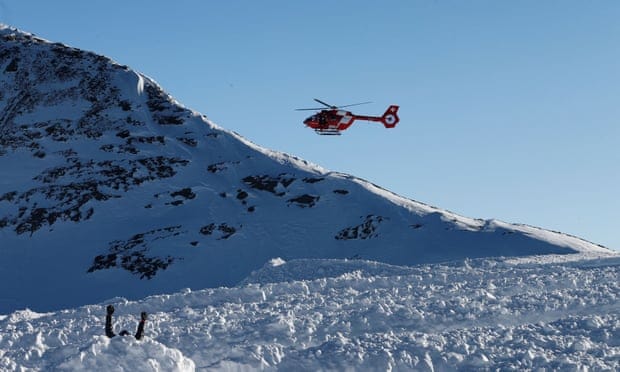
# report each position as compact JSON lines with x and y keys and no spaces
{"x":334,"y":120}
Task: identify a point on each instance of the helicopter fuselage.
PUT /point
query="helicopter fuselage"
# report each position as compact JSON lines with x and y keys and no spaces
{"x":330,"y":121}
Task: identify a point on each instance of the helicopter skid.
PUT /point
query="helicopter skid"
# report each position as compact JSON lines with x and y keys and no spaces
{"x":328,"y":132}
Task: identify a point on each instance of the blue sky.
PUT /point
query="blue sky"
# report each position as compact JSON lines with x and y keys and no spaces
{"x":509,"y":109}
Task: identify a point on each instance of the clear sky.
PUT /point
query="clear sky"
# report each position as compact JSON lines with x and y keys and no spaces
{"x":509,"y":109}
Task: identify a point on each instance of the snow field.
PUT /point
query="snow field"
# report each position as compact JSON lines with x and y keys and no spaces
{"x":362,"y":315}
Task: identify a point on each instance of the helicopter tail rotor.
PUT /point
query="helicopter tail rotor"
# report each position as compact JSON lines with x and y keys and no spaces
{"x":390,"y":118}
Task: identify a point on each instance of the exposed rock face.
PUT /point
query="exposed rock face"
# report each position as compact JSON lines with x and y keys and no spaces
{"x":365,"y":230}
{"x":111,"y":185}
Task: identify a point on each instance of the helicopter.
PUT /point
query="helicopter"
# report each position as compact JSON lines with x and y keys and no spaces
{"x":333,"y":120}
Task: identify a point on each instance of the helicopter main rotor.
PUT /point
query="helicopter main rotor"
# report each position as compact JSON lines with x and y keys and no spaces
{"x":332,"y":107}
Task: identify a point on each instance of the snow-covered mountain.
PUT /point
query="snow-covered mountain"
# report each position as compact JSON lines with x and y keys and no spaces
{"x":110,"y":187}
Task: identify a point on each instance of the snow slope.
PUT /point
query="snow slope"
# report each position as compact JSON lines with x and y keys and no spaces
{"x":110,"y":187}
{"x":317,"y":315}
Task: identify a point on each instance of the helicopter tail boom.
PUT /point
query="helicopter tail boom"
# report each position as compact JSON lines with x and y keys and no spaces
{"x":389,"y":119}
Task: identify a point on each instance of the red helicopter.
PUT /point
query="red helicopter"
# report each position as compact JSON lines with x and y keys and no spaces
{"x":334,"y":120}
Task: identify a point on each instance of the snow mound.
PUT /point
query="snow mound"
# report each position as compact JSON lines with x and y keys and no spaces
{"x":123,"y":354}
{"x":311,"y":269}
